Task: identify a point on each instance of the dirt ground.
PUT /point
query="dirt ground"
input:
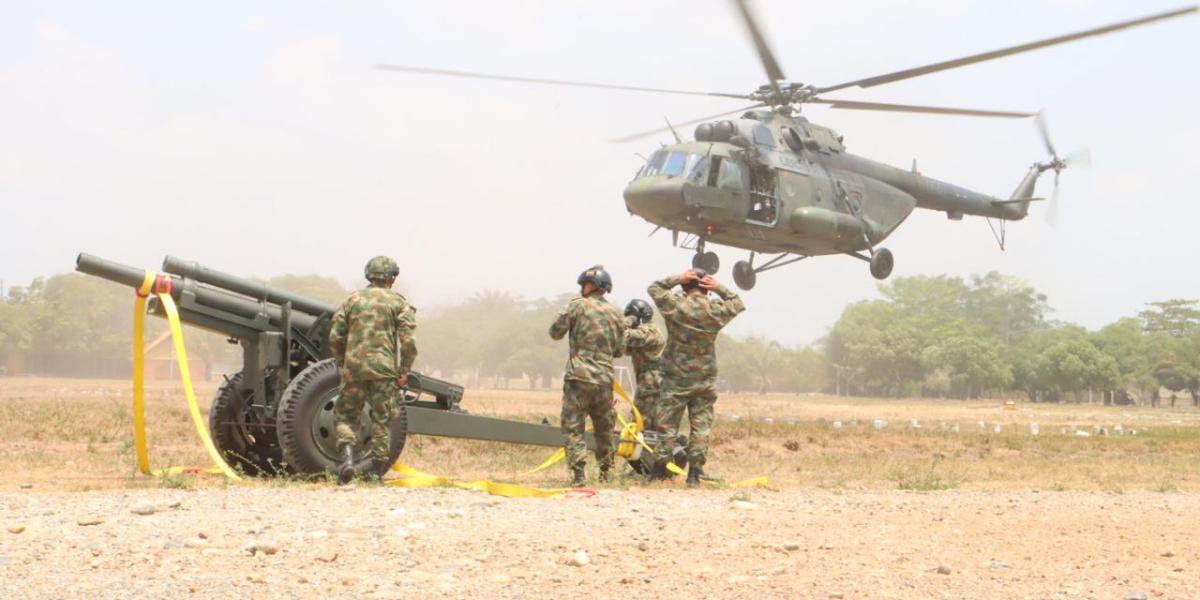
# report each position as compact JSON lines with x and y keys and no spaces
{"x":663,"y":543}
{"x":946,"y":509}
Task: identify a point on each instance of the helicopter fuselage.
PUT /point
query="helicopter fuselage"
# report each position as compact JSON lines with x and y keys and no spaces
{"x":771,"y":183}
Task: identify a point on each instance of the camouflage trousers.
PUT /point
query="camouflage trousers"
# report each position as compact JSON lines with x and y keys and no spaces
{"x":381,"y":397}
{"x":580,"y":401}
{"x":699,"y":406}
{"x":647,"y":401}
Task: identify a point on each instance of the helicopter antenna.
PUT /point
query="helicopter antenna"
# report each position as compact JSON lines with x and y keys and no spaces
{"x":678,"y":140}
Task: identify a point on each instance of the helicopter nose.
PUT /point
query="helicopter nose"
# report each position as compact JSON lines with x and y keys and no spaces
{"x":655,"y":198}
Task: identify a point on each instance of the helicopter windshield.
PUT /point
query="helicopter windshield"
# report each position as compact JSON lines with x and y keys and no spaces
{"x":670,"y":163}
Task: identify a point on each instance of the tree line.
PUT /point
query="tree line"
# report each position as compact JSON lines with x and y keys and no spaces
{"x":937,"y":336}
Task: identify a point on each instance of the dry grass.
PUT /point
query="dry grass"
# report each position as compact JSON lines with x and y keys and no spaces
{"x":76,"y":435}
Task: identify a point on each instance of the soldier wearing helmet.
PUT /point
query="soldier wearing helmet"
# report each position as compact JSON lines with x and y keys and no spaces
{"x":644,"y":344}
{"x":690,"y":361}
{"x":596,"y":338}
{"x":371,"y":339}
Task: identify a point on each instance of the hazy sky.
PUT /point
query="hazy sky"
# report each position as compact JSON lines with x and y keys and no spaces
{"x":256,"y":138}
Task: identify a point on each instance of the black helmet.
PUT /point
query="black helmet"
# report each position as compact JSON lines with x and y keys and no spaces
{"x":641,"y":309}
{"x":598,"y":276}
{"x":695,"y":283}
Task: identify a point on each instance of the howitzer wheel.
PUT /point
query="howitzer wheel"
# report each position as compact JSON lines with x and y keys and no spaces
{"x":306,"y":425}
{"x":248,"y":446}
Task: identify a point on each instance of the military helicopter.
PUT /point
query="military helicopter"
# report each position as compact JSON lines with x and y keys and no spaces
{"x":774,"y":183}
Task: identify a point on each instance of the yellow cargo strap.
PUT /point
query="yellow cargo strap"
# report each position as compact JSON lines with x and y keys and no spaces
{"x":412,"y":478}
{"x":161,"y":287}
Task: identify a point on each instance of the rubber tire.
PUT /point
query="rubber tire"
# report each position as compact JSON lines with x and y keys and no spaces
{"x":258,"y":458}
{"x":709,"y":261}
{"x":882,"y":263}
{"x":298,"y":407}
{"x":744,"y":275}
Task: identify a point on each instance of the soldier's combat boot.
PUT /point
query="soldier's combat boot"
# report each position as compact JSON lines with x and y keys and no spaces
{"x":577,"y":476}
{"x":693,"y":478}
{"x":604,"y":474}
{"x":346,"y":470}
{"x":658,"y":472}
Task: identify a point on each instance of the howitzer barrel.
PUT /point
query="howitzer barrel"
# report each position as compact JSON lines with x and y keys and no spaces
{"x":194,"y":270}
{"x":206,"y":295}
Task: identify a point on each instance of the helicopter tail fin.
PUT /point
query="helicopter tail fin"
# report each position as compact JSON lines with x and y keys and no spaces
{"x":1023,"y":195}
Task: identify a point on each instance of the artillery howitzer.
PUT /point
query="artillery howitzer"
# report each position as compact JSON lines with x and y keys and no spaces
{"x":276,"y":415}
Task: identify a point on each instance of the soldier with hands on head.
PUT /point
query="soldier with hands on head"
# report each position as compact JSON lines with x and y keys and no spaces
{"x":596,"y":338}
{"x":372,"y":342}
{"x":644,"y":344}
{"x":690,"y":362}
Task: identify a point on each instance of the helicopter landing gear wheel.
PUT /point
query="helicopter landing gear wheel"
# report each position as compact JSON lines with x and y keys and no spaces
{"x":709,"y":261}
{"x":882,"y":263}
{"x":744,"y":275}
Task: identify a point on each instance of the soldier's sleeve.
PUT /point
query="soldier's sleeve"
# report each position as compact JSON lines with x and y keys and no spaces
{"x":562,"y":322}
{"x":636,"y":337}
{"x":622,"y":331}
{"x":338,"y":330}
{"x":660,"y":293}
{"x":730,"y":307}
{"x":406,"y":326}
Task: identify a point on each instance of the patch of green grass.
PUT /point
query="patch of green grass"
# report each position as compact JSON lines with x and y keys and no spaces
{"x":927,"y":479}
{"x":1167,"y":486}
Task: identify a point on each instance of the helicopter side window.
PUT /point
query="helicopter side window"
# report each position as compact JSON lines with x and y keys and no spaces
{"x":730,"y":176}
{"x":699,"y":174}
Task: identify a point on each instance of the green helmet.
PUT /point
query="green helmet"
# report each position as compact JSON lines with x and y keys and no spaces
{"x":381,"y":268}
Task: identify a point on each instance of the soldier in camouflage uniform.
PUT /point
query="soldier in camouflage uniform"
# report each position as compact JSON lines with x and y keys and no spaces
{"x":371,"y":339}
{"x":596,"y":336}
{"x":644,"y":344}
{"x":690,"y":362}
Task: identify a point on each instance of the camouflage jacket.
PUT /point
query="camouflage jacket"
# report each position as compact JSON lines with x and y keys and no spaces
{"x":371,"y":336}
{"x":597,"y":337}
{"x":693,"y":322}
{"x":644,"y":344}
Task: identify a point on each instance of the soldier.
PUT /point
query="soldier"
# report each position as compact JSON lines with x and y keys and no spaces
{"x":371,"y":339}
{"x":690,"y":362}
{"x":644,"y":344}
{"x":597,"y":332}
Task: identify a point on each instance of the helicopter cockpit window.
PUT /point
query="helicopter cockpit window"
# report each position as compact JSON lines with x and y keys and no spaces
{"x":671,"y":164}
{"x":763,"y":137}
{"x":655,"y":164}
{"x":676,"y":164}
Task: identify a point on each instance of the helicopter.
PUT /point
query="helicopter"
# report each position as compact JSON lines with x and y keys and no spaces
{"x":782,"y":187}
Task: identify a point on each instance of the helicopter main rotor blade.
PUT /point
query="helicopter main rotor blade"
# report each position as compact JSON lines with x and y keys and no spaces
{"x":985,"y":56}
{"x":774,"y":72}
{"x":910,"y":108}
{"x":607,"y":86}
{"x":642,"y":134}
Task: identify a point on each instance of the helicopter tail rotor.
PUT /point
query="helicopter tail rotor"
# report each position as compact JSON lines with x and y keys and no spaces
{"x":1079,"y":158}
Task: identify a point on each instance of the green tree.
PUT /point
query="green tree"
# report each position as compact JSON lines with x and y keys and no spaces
{"x":1177,"y":317}
{"x":1127,"y":343}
